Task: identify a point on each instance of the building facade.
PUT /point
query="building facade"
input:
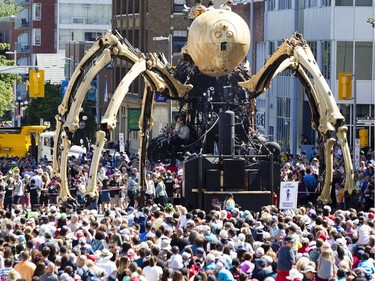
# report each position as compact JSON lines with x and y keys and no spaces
{"x":139,"y":21}
{"x":81,"y":20}
{"x":339,"y":45}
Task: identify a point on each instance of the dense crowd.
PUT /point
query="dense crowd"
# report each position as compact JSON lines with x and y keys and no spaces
{"x":111,"y":238}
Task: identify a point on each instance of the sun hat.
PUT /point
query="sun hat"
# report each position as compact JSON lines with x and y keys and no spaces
{"x":106,"y":254}
{"x":259,"y":252}
{"x":241,"y":237}
{"x":294,"y":275}
{"x":258,"y":225}
{"x":309,"y":268}
{"x":210,"y":258}
{"x":165,"y":244}
{"x":326,"y":248}
{"x":186,"y":255}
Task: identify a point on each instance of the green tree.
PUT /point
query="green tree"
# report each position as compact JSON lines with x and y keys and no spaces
{"x":6,"y":81}
{"x":371,"y":21}
{"x":8,"y":8}
{"x":46,"y":107}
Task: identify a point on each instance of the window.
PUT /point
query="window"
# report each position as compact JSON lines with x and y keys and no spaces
{"x":344,"y":57}
{"x":326,"y":3}
{"x":37,"y":36}
{"x":271,"y":5}
{"x":178,"y":6}
{"x":344,"y":2}
{"x":37,"y":11}
{"x":283,"y":107}
{"x":363,"y":60}
{"x":285,"y":4}
{"x":179,"y":40}
{"x":366,"y":3}
{"x":326,"y":59}
{"x":311,"y":3}
{"x":283,"y":133}
{"x":92,"y":36}
{"x":78,"y":20}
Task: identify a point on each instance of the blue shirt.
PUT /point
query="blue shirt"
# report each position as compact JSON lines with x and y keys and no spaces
{"x":285,"y":258}
{"x":309,"y":181}
{"x":225,"y":275}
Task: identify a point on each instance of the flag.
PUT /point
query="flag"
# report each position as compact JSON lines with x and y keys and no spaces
{"x":106,"y":90}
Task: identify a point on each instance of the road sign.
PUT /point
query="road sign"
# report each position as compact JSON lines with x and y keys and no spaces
{"x":365,"y":121}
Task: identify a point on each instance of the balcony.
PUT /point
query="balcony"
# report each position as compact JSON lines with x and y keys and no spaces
{"x":22,"y":47}
{"x":22,"y":2}
{"x":21,"y":23}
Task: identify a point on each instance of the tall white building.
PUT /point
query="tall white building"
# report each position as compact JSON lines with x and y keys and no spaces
{"x":82,"y":20}
{"x":342,"y":41}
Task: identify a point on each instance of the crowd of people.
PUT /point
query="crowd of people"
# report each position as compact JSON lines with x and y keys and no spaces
{"x":305,"y":169}
{"x":113,"y":238}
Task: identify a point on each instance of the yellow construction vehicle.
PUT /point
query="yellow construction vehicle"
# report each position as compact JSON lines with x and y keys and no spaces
{"x":19,"y":142}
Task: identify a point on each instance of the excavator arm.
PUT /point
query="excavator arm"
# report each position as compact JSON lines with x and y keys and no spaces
{"x":157,"y":78}
{"x":295,"y":54}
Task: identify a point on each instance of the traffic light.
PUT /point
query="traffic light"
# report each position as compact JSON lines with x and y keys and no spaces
{"x":36,"y":78}
{"x":363,"y":137}
{"x":345,"y":85}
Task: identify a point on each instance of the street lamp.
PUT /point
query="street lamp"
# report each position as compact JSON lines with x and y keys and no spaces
{"x":169,"y":38}
{"x":14,"y":87}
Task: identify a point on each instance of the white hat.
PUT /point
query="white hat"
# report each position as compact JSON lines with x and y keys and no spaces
{"x":266,"y":235}
{"x":106,"y":254}
{"x":206,"y":228}
{"x":294,"y":275}
{"x":259,"y":225}
{"x":259,"y":252}
{"x":241,"y":236}
{"x":219,"y":265}
{"x":186,"y":255}
{"x":223,"y":234}
{"x":82,"y":240}
{"x":53,"y":209}
{"x":210,"y":257}
{"x":341,"y":241}
{"x":165,"y":244}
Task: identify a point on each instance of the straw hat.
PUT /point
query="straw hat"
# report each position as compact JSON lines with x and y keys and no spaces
{"x":326,"y":248}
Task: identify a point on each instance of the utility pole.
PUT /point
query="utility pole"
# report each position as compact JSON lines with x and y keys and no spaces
{"x":14,"y":88}
{"x":169,"y":38}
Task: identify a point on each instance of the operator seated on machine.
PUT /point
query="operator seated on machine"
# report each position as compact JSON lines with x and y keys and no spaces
{"x":181,"y":133}
{"x":197,"y":10}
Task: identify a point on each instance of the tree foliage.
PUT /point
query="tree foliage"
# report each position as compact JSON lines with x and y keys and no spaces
{"x":371,"y":21}
{"x":46,"y":107}
{"x":8,"y":8}
{"x":6,"y":81}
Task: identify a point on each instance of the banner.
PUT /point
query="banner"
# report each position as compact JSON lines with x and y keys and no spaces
{"x":288,"y":195}
{"x":91,"y":93}
{"x":160,"y":98}
{"x":133,"y":119}
{"x":64,"y":87}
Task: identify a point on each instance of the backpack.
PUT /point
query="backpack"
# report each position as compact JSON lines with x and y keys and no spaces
{"x":52,"y":189}
{"x":141,"y":220}
{"x":132,"y":192}
{"x":88,"y":275}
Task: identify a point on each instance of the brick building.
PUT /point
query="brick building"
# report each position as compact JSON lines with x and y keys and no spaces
{"x":139,"y":21}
